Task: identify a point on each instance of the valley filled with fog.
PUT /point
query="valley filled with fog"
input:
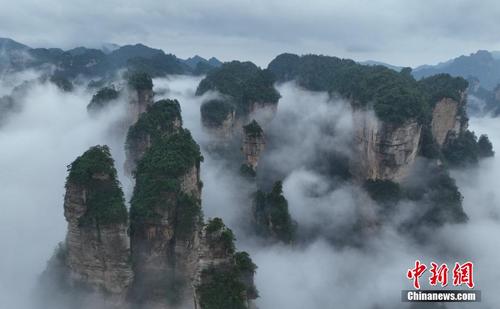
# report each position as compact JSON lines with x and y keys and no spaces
{"x":52,"y":127}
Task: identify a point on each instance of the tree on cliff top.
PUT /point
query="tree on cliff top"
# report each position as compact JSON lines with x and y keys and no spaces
{"x":243,"y":82}
{"x":215,"y":112}
{"x":395,"y":96}
{"x":102,"y":97}
{"x":229,"y":285}
{"x":159,"y":174}
{"x":485,"y":148}
{"x":94,"y":170}
{"x":441,"y":86}
{"x":157,"y":121}
{"x":272,"y":218}
{"x":139,"y":80}
{"x":253,"y":129}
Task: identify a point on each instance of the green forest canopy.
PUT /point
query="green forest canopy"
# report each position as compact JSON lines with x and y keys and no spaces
{"x":95,"y":171}
{"x":156,"y":122}
{"x":395,"y":96}
{"x":243,"y":82}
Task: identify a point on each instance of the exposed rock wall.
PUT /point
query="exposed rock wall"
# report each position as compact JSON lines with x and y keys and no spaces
{"x":165,"y":233}
{"x":223,"y":131}
{"x":98,"y":255}
{"x":445,"y":120}
{"x":139,"y":100}
{"x":383,"y":150}
{"x":165,"y":261}
{"x":216,"y":256}
{"x":253,"y":144}
{"x":160,"y":120}
{"x":233,"y":123}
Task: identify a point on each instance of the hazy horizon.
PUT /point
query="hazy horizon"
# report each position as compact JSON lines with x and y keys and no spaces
{"x":409,"y":33}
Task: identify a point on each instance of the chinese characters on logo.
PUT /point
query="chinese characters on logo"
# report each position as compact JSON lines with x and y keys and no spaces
{"x":462,"y":274}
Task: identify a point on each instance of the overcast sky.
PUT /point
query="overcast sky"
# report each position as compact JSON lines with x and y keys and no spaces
{"x":401,"y":32}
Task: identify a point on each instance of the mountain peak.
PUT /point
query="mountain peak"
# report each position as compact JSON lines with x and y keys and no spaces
{"x":10,"y":44}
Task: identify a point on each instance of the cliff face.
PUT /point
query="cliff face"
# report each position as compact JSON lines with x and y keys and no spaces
{"x":253,"y":144}
{"x":165,"y":222}
{"x":446,"y":120}
{"x":224,"y":129}
{"x":220,"y":270}
{"x":139,"y":100}
{"x":98,"y":256}
{"x":271,"y":218}
{"x":244,"y":88}
{"x":97,"y":242}
{"x":140,"y":86}
{"x":384,"y":151}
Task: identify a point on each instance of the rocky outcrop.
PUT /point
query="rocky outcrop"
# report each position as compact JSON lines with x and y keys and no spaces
{"x":225,"y":129}
{"x":160,"y":120}
{"x":271,"y":218}
{"x":139,"y":100}
{"x":242,"y":87}
{"x":173,"y":260}
{"x":165,"y":221}
{"x":178,"y":260}
{"x":446,"y":120}
{"x":97,"y":243}
{"x":221,"y":269}
{"x":140,"y":88}
{"x":253,"y":144}
{"x":384,"y":150}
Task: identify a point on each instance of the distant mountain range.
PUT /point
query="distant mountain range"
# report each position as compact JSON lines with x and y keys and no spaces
{"x":390,"y":66}
{"x":99,"y":62}
{"x":482,"y":65}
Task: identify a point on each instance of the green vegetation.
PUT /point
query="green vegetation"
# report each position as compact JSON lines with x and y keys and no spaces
{"x":243,"y":82}
{"x":139,"y":80}
{"x":227,"y":285}
{"x":461,"y":151}
{"x":188,"y":215}
{"x":95,"y":171}
{"x":62,"y":83}
{"x":158,"y":178}
{"x":214,"y":112}
{"x":247,"y":171}
{"x":220,"y":235}
{"x":244,"y":263}
{"x":160,"y":64}
{"x":383,"y":191}
{"x":428,"y":145}
{"x":271,"y":215}
{"x":102,"y":98}
{"x":253,"y":129}
{"x":395,"y":97}
{"x":221,"y":289}
{"x":158,"y":121}
{"x":441,"y":86}
{"x":466,"y":150}
{"x":485,"y":148}
{"x":442,"y":199}
{"x":202,"y":67}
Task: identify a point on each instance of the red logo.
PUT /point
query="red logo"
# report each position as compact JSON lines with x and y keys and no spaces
{"x":462,"y":274}
{"x":416,"y":273}
{"x":439,"y":274}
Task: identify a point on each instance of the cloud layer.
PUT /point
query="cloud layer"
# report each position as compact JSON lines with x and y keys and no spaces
{"x":53,"y":128}
{"x":400,"y":32}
